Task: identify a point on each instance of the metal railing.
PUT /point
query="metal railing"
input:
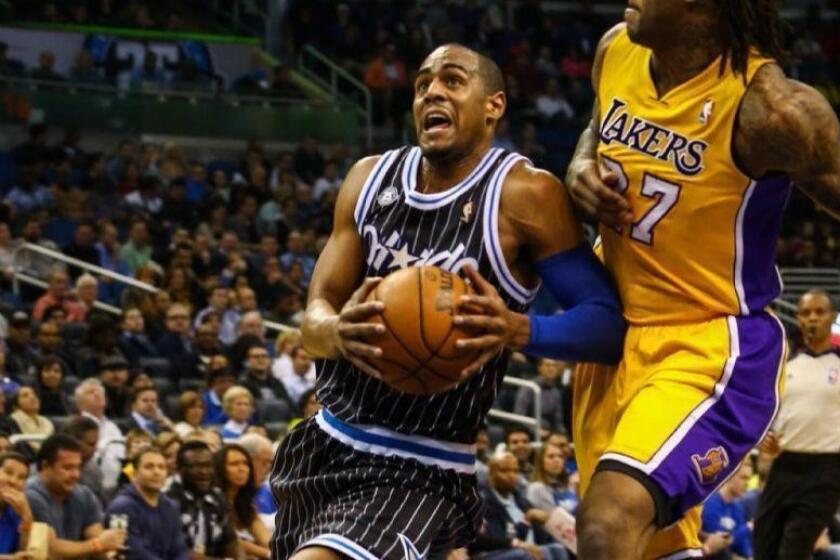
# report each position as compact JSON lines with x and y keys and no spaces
{"x":21,"y":275}
{"x":311,"y":63}
{"x":797,"y":281}
{"x":534,"y":421}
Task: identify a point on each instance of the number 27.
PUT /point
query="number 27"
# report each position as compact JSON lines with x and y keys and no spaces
{"x":666,"y":194}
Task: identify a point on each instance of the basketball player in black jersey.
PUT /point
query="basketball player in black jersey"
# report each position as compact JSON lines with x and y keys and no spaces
{"x":380,"y":474}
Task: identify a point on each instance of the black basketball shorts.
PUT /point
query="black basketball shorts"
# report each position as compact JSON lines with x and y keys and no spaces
{"x":369,"y":493}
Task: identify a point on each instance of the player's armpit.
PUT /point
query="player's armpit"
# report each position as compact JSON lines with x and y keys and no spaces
{"x":789,"y":127}
{"x":338,"y":271}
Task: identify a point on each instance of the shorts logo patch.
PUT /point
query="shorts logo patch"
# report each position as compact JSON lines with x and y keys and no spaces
{"x":410,"y":551}
{"x":710,"y":465}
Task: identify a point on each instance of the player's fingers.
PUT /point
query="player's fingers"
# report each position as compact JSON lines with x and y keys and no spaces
{"x":479,"y":342}
{"x":486,"y":304}
{"x":360,"y":330}
{"x":481,"y":322}
{"x":614,"y":218}
{"x":479,"y":284}
{"x":477,"y":364}
{"x":365,"y":367}
{"x":366,"y":288}
{"x":360,"y":349}
{"x":361,"y":311}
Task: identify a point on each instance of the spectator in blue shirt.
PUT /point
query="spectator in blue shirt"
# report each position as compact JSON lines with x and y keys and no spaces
{"x":154,"y":523}
{"x":28,"y":194}
{"x":219,"y":380}
{"x":15,"y":515}
{"x":722,"y":513}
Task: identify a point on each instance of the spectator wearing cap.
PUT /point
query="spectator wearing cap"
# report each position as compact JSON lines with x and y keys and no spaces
{"x":137,"y":251}
{"x":257,"y":377}
{"x":58,"y":294}
{"x":113,"y":373}
{"x":91,"y":402}
{"x":220,"y":303}
{"x":145,"y":413}
{"x":175,"y":344}
{"x":219,"y":380}
{"x":20,"y":356}
{"x":134,"y":344}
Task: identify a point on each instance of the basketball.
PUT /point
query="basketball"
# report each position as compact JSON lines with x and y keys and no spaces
{"x":419,"y":353}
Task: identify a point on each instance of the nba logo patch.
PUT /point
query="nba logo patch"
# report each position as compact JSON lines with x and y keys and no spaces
{"x":710,"y":465}
{"x":388,"y":196}
{"x":833,"y":376}
{"x":706,"y":112}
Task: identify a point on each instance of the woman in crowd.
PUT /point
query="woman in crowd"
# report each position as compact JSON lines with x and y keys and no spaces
{"x":26,"y":408}
{"x":54,"y":401}
{"x":238,"y":404}
{"x":549,"y":487}
{"x":135,"y":441}
{"x":169,"y":443}
{"x":235,"y":473}
{"x":189,"y":413}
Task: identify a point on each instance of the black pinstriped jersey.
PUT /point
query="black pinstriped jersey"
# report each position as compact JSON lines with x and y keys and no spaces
{"x":402,"y":227}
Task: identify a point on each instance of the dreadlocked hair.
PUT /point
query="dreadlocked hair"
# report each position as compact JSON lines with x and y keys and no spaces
{"x":751,"y":24}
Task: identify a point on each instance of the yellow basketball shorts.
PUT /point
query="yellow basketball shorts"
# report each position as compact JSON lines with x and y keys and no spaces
{"x":679,"y":413}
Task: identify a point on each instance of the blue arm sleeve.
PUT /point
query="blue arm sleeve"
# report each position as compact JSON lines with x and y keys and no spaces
{"x":591,"y":329}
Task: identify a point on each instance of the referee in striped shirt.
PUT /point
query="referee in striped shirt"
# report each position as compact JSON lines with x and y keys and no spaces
{"x":803,"y":488}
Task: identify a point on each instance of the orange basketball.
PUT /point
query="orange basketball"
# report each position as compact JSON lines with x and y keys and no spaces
{"x":419,"y":353}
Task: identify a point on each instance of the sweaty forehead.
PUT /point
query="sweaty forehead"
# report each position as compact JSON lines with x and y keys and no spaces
{"x":450,"y":54}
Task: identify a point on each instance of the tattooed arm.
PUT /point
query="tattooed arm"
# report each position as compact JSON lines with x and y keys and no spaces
{"x":786,"y":126}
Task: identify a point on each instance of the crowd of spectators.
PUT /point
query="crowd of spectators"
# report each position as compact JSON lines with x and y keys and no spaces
{"x":545,"y":55}
{"x":152,"y":74}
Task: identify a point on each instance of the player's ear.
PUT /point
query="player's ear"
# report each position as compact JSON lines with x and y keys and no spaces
{"x":495,"y":106}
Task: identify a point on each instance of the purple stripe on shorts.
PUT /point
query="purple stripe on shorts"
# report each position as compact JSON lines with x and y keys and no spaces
{"x":761,"y":226}
{"x":727,"y":431}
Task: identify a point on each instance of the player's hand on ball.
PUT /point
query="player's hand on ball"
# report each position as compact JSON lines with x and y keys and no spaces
{"x":352,"y":327}
{"x":485,"y":312}
{"x":594,"y":192}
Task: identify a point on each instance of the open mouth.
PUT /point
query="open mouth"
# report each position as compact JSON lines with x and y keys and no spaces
{"x":436,"y":120}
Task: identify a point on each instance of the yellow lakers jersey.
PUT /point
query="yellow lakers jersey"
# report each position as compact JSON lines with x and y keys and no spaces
{"x":702,"y":242}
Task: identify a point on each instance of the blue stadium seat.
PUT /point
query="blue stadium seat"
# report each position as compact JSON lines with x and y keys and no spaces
{"x":191,"y":385}
{"x":163,"y":385}
{"x":69,"y":383}
{"x":157,"y":367}
{"x":273,"y":410}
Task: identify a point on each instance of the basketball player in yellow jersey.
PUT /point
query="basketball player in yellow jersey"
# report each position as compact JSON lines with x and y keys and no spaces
{"x":695,"y":139}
